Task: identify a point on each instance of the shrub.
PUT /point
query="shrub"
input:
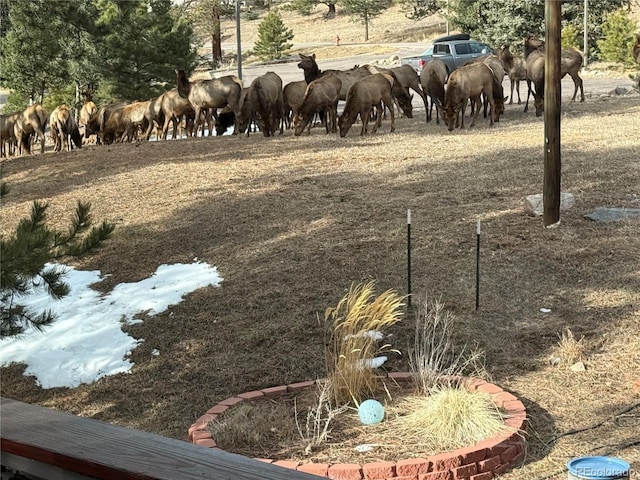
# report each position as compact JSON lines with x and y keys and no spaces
{"x":570,"y":37}
{"x":618,"y":38}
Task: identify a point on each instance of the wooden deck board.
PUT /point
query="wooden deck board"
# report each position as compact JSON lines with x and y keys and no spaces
{"x":105,"y":451}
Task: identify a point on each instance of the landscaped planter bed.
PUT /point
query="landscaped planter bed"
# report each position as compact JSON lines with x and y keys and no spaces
{"x":482,"y":461}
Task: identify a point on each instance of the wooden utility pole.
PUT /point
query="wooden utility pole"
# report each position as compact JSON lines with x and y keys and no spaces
{"x":552,"y":109}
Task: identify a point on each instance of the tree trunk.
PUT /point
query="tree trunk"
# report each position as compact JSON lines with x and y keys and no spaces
{"x":332,"y":10}
{"x":366,"y":27}
{"x":216,"y":43}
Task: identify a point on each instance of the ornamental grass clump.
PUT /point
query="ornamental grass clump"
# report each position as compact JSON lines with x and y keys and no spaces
{"x":355,"y":326}
{"x":433,"y":359}
{"x":450,"y":417}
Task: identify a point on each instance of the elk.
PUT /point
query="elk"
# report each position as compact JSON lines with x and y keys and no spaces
{"x":347,"y":77}
{"x":433,"y":79}
{"x":8,"y":141}
{"x":292,"y":97}
{"x":570,"y":64}
{"x":534,"y":59}
{"x":515,"y":68}
{"x":321,"y":96}
{"x":468,"y":82}
{"x":400,"y":94}
{"x":227,"y":118}
{"x":214,"y":93}
{"x":63,"y":129}
{"x":33,"y":120}
{"x":636,"y":50}
{"x":365,"y":94}
{"x":265,"y":100}
{"x":407,"y":78}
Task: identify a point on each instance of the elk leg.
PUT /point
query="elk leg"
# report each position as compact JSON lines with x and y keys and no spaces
{"x":526,"y":107}
{"x":380,"y":111}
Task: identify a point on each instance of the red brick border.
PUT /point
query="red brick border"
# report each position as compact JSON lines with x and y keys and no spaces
{"x":482,"y":461}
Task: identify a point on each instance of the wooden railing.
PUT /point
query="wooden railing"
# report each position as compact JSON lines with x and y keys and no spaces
{"x":54,"y":445}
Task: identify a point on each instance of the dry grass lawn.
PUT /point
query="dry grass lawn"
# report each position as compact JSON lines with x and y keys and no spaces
{"x":291,"y":222}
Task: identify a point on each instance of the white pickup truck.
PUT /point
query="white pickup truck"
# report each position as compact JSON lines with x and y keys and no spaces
{"x":453,"y":50}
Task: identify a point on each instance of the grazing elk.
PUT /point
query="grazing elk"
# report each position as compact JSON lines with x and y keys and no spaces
{"x":87,"y":112}
{"x":292,"y":97}
{"x":124,"y":122}
{"x":515,"y":67}
{"x":400,"y":94}
{"x":534,"y":60}
{"x":214,"y":93}
{"x":8,"y":141}
{"x":63,"y":129}
{"x":363,"y":96}
{"x":433,"y":79}
{"x":172,"y":108}
{"x":226,"y":118}
{"x":32,"y":120}
{"x":321,"y":96}
{"x":347,"y":77}
{"x":468,"y":82}
{"x":570,"y":64}
{"x":265,"y":100}
{"x":96,"y":124}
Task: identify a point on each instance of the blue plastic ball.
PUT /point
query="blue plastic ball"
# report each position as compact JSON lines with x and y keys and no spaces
{"x":370,"y":412}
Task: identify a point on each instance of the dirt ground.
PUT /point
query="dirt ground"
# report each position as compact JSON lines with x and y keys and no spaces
{"x":292,"y":222}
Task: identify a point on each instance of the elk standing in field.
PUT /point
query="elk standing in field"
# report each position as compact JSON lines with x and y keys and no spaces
{"x":468,"y":82}
{"x":265,"y":100}
{"x":433,"y":79}
{"x":63,"y":129}
{"x":515,"y":67}
{"x":321,"y":96}
{"x":373,"y":91}
{"x":32,"y":121}
{"x":214,"y":93}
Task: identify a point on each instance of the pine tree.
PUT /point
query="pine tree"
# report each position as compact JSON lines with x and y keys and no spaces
{"x":497,"y":21}
{"x":618,"y":38}
{"x":364,"y":11}
{"x":25,"y":254}
{"x":273,"y":37}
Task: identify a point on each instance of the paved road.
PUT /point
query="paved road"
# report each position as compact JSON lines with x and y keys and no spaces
{"x":289,"y":71}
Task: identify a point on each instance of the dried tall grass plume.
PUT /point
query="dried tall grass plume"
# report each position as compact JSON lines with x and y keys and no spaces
{"x":433,"y":359}
{"x":352,"y":351}
{"x":319,"y":417}
{"x":570,"y":350}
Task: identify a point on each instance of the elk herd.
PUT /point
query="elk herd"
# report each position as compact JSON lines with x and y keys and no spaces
{"x":368,"y":92}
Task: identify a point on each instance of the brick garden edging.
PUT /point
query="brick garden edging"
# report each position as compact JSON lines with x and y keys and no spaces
{"x":482,"y":461}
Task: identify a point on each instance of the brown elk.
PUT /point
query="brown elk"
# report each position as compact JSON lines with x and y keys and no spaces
{"x":400,"y":94}
{"x":433,"y":79}
{"x":214,"y":93}
{"x":226,"y":118}
{"x":321,"y":96}
{"x":515,"y":68}
{"x":363,"y":96}
{"x":33,"y":120}
{"x":63,"y":129}
{"x":123,"y":122}
{"x":171,"y":109}
{"x":347,"y":77}
{"x":265,"y":100}
{"x":570,"y":64}
{"x":534,"y":60}
{"x":468,"y":82}
{"x":96,"y":124}
{"x":292,"y":97}
{"x":8,"y":141}
{"x":87,"y":112}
